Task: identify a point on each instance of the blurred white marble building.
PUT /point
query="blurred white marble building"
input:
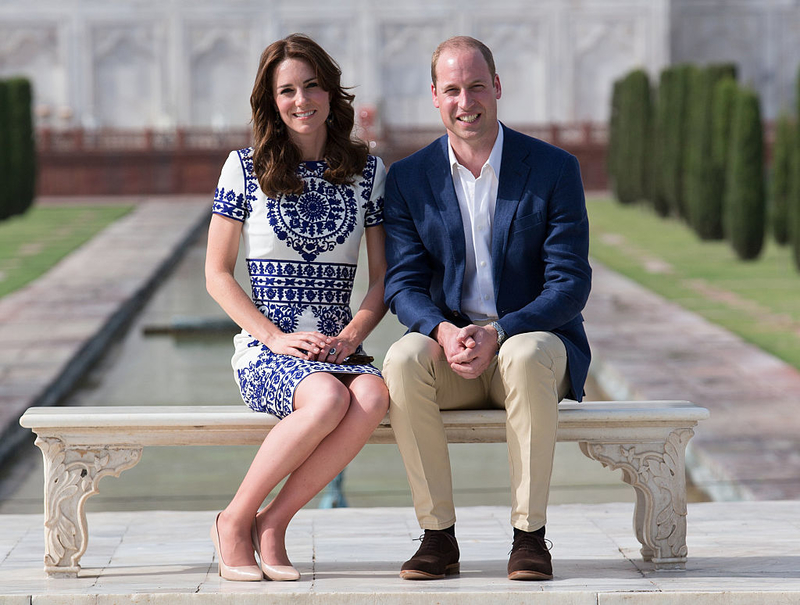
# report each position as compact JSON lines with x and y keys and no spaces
{"x":187,"y":66}
{"x":184,"y":63}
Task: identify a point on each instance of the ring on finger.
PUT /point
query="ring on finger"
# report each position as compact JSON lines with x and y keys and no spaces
{"x":332,"y":351}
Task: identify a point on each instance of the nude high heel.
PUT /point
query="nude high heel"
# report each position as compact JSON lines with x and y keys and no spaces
{"x":277,"y":573}
{"x":244,"y":573}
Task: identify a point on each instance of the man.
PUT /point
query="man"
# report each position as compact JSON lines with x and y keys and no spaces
{"x":487,"y":245}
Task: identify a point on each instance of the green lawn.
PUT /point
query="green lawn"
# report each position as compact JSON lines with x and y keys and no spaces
{"x":32,"y":243}
{"x":758,"y":300}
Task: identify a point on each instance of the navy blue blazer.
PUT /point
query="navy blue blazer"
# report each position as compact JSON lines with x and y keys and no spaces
{"x":540,"y":245}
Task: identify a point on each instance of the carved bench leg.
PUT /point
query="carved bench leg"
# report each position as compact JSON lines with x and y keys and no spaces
{"x":71,"y":475}
{"x":658,"y":474}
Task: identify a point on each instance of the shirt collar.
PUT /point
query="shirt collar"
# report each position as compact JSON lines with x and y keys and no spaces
{"x":495,"y":157}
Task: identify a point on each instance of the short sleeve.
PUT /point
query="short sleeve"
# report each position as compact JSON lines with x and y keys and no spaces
{"x":230,"y":198}
{"x":374,"y":206}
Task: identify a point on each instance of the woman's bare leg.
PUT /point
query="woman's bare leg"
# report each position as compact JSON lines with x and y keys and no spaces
{"x":368,"y":405}
{"x":321,"y":401}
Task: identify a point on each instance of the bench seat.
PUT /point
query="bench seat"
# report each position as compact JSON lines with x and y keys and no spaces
{"x":80,"y":445}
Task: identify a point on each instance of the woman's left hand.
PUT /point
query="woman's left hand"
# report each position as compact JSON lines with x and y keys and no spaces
{"x":340,"y":348}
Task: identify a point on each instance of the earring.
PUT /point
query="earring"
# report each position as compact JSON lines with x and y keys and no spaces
{"x":278,"y":125}
{"x":329,"y":119}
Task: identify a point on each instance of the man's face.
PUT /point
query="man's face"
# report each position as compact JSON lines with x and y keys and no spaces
{"x":466,"y":95}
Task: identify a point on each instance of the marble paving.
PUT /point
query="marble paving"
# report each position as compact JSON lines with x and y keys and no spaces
{"x":742,"y":552}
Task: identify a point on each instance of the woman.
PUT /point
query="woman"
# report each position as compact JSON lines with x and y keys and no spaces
{"x":300,"y":199}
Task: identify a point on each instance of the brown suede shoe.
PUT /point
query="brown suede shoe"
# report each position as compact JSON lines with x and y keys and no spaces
{"x":436,"y":558}
{"x":530,"y":558}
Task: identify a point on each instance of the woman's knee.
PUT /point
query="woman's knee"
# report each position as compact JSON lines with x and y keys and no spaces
{"x":372,"y":396}
{"x":325,"y":398}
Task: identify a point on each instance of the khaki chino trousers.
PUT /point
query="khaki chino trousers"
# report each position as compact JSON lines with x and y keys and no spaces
{"x":528,"y":378}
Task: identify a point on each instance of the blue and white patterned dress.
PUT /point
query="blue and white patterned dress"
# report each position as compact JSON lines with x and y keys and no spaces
{"x":301,"y":253}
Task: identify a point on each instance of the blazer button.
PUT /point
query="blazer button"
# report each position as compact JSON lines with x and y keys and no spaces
{"x":455,"y":313}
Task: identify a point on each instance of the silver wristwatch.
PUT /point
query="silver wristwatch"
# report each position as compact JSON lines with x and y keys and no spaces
{"x":501,"y":334}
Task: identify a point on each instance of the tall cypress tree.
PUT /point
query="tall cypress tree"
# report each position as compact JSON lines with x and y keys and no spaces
{"x":674,"y":99}
{"x":703,"y":198}
{"x":640,"y":134}
{"x":745,"y":200}
{"x":614,"y":137}
{"x":22,"y":149}
{"x":793,"y":211}
{"x":725,"y":92}
{"x":698,"y":147}
{"x":624,"y":181}
{"x":783,"y":160}
{"x":661,"y":134}
{"x":710,"y":217}
{"x":6,"y":209}
{"x":631,"y":137}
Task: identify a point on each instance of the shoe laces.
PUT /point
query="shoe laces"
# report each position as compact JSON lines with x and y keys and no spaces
{"x":433,"y":540}
{"x":530,"y":541}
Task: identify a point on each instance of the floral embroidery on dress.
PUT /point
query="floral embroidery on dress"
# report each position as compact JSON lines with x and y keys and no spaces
{"x":228,"y":203}
{"x":282,"y":289}
{"x":267,"y":384}
{"x":329,"y":318}
{"x":317,"y":220}
{"x":373,"y":209}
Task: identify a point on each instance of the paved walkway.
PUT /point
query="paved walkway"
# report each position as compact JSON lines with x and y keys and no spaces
{"x":739,"y":553}
{"x":55,"y":328}
{"x":648,"y":348}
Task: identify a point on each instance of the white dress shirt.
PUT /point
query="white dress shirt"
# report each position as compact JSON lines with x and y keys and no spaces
{"x":477,"y":198}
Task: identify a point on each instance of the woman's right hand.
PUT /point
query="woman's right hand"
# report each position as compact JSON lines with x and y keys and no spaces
{"x":223,"y":248}
{"x":305,"y":345}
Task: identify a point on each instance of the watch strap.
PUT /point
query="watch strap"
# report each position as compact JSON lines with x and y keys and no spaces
{"x":502,"y":336}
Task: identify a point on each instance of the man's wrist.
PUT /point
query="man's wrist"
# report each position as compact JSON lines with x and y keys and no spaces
{"x":438,"y":331}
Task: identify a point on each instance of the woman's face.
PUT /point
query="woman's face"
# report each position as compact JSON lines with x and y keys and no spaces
{"x":302,"y":103}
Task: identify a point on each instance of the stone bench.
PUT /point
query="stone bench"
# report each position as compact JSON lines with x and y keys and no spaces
{"x":80,"y":445}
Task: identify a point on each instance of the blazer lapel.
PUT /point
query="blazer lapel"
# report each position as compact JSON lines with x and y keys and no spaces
{"x":441,"y":181}
{"x":511,"y":183}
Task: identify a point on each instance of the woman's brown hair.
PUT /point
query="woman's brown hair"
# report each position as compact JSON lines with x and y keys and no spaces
{"x":275,"y":156}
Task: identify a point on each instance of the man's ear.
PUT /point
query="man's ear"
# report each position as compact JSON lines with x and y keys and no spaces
{"x":498,"y":90}
{"x":435,"y":97}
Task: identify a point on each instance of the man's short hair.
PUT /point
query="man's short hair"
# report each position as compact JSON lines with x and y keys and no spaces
{"x":461,"y":43}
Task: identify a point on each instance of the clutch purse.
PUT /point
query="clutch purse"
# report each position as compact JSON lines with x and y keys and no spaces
{"x":358,"y":359}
